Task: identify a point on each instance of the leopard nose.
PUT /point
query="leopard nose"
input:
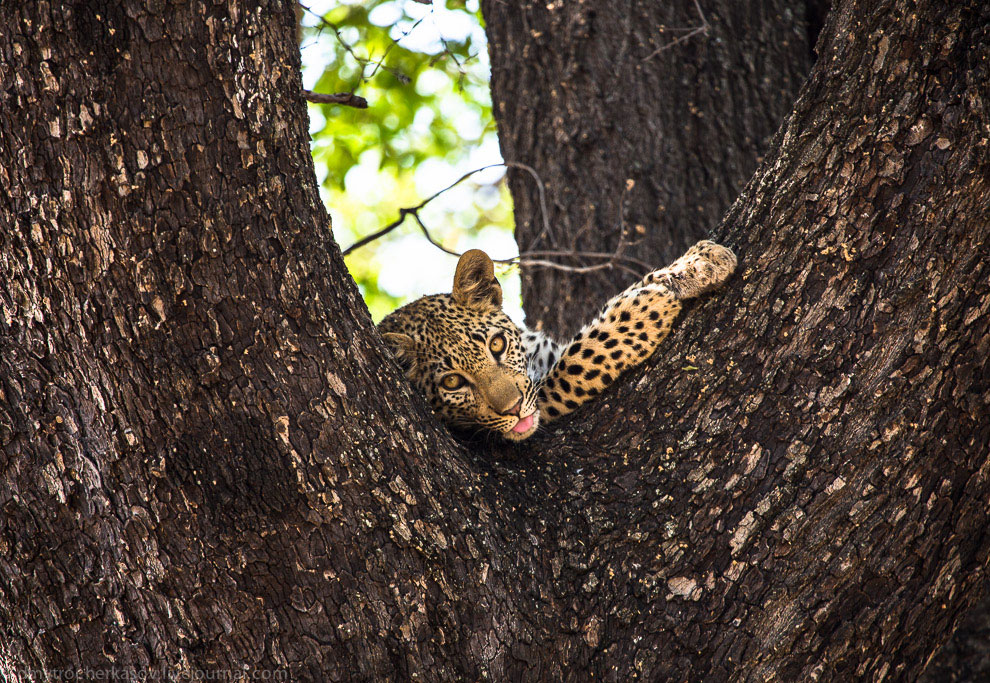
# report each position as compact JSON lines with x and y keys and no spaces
{"x":514,"y":410}
{"x":504,"y":397}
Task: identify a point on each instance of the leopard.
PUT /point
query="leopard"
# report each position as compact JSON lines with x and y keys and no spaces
{"x":482,"y":373}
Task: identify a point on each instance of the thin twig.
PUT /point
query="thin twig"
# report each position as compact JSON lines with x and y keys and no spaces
{"x":395,"y":41}
{"x":587,"y":254}
{"x":527,"y":260}
{"x":365,"y":62}
{"x":429,"y":237}
{"x":348,"y":99}
{"x":541,"y":190}
{"x":537,"y":263}
{"x":703,"y":28}
{"x":447,"y":52}
{"x":384,"y":231}
{"x":621,"y":246}
{"x":536,"y":259}
{"x":413,"y":210}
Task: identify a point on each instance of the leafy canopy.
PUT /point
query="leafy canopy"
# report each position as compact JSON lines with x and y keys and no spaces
{"x":424,"y":72}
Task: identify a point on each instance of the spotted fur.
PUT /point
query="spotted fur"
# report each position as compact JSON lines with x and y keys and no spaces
{"x":541,"y":353}
{"x":506,"y":379}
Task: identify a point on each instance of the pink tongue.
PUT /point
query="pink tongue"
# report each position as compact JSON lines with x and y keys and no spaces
{"x":523,"y":424}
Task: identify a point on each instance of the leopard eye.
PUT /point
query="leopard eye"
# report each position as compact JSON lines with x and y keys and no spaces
{"x":452,"y":381}
{"x":497,"y":344}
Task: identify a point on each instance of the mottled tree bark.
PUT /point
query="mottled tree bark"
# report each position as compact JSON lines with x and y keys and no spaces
{"x":210,"y":463}
{"x":195,"y":473}
{"x":642,"y":126}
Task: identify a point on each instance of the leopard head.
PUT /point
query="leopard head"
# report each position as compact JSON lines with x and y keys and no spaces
{"x":465,"y":355}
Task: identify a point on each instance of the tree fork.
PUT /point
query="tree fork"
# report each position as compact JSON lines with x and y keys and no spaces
{"x":208,"y":461}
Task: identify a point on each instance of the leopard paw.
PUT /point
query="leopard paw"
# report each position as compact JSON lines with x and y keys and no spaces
{"x":703,"y":267}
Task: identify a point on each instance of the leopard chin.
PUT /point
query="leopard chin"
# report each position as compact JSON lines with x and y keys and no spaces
{"x":524,"y":428}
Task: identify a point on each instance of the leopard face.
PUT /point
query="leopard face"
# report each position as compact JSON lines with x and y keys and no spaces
{"x":465,"y":355}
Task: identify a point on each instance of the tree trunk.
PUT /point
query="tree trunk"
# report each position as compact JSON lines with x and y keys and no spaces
{"x":966,"y":657}
{"x":643,"y":119}
{"x":190,"y":478}
{"x":210,"y":463}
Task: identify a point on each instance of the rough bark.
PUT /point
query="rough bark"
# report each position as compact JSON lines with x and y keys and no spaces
{"x":966,"y":657}
{"x":593,"y":95}
{"x":188,"y":444}
{"x":208,"y":461}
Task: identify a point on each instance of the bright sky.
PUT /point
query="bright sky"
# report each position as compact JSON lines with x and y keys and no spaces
{"x":409,"y":265}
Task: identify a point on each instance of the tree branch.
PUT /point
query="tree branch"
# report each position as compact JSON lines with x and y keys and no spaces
{"x":363,"y":61}
{"x":536,"y":259}
{"x":348,"y":99}
{"x":691,"y":32}
{"x":412,"y":210}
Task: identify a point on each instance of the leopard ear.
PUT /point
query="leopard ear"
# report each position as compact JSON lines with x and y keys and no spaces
{"x":474,"y":281}
{"x":403,"y":347}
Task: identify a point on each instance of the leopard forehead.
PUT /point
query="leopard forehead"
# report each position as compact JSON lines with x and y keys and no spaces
{"x":456,"y":337}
